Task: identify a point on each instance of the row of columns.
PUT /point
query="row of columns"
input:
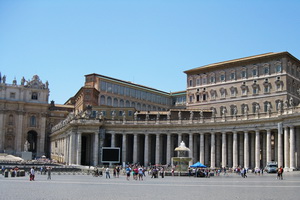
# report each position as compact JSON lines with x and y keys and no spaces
{"x":232,"y":149}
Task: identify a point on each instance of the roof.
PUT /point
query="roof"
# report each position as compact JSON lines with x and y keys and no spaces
{"x":128,"y":83}
{"x":239,"y":61}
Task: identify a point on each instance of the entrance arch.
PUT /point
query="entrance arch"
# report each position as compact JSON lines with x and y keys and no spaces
{"x":32,"y":140}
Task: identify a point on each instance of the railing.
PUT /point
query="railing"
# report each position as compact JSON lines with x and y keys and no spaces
{"x":199,"y":120}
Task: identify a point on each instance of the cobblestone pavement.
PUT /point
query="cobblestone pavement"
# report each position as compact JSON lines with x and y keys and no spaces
{"x":82,"y":187}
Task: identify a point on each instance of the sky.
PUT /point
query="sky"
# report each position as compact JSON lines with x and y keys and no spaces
{"x":150,"y":43}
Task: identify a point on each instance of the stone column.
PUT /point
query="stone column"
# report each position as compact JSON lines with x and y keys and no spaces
{"x":78,"y":149}
{"x":179,"y":141}
{"x":146,"y":153}
{"x":292,"y":148}
{"x":19,"y":133}
{"x":213,"y":151}
{"x":246,"y":150}
{"x":264,"y":150}
{"x":65,"y":150}
{"x":201,"y":148}
{"x":229,"y":150}
{"x":124,"y":148}
{"x":168,"y":148}
{"x":191,"y":146}
{"x":113,"y":140}
{"x":280,"y":147}
{"x":135,"y":150}
{"x":2,"y":132}
{"x":72,"y":148}
{"x":252,"y":150}
{"x":96,"y":147}
{"x":269,"y":149}
{"x":206,"y":149}
{"x":235,"y":150}
{"x":286,"y":149}
{"x":241,"y":150}
{"x":157,"y":151}
{"x":224,"y":152}
{"x":41,"y":149}
{"x":257,"y":150}
{"x":218,"y":150}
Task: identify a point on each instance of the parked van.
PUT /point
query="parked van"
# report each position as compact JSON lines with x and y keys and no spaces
{"x":271,"y":167}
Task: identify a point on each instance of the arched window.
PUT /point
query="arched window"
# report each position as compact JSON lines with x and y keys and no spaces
{"x":102,"y":100}
{"x":139,"y":106}
{"x":32,"y":122}
{"x":109,"y":101}
{"x":115,"y":102}
{"x":34,"y":96}
{"x":133,"y":105}
{"x":11,"y":120}
{"x":121,"y":103}
{"x":127,"y":103}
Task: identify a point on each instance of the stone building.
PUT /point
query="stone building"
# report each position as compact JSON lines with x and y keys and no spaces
{"x":23,"y":115}
{"x":242,"y":112}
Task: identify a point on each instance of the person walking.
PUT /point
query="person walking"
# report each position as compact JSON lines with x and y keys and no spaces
{"x":49,"y":173}
{"x":107,"y":173}
{"x":32,"y":174}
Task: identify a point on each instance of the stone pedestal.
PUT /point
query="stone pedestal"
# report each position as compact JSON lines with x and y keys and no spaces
{"x":26,"y":155}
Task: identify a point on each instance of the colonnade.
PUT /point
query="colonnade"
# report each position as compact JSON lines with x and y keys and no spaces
{"x":249,"y":149}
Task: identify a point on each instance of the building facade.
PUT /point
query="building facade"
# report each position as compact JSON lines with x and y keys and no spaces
{"x":23,"y":116}
{"x":241,"y":112}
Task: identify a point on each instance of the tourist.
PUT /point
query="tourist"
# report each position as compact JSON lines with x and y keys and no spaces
{"x":128,"y":170}
{"x":107,"y":173}
{"x":141,"y":173}
{"x":279,"y":173}
{"x":32,"y":174}
{"x":49,"y":173}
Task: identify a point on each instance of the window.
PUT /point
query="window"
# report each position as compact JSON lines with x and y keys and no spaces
{"x":191,"y":99}
{"x":198,"y":81}
{"x":10,"y":120}
{"x":12,"y":95}
{"x":278,"y":87}
{"x":278,"y":68}
{"x":204,"y":97}
{"x":233,"y":92}
{"x":129,"y":113}
{"x":255,"y":90}
{"x":244,"y":91}
{"x":103,"y":85}
{"x":254,"y":72}
{"x":32,"y":121}
{"x":232,"y":76}
{"x":266,"y":71}
{"x":222,"y":78}
{"x":34,"y":96}
{"x":267,"y":89}
{"x":204,"y":81}
{"x":244,"y":74}
{"x":121,"y":90}
{"x":223,"y":93}
{"x":191,"y":83}
{"x":212,"y":79}
{"x":116,"y":89}
{"x":213,"y":95}
{"x":109,"y":87}
{"x":120,"y":113}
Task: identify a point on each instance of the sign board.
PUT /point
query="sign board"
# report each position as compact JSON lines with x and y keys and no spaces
{"x":110,"y":155}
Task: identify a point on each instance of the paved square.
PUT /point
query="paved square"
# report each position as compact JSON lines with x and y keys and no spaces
{"x":81,"y":187}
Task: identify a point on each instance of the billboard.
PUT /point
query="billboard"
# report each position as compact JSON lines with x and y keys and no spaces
{"x":110,"y":155}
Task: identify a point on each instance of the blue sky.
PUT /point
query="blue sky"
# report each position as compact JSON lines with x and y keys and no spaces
{"x":147,"y":42}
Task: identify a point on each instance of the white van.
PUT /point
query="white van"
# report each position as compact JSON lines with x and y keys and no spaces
{"x":271,"y":167}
